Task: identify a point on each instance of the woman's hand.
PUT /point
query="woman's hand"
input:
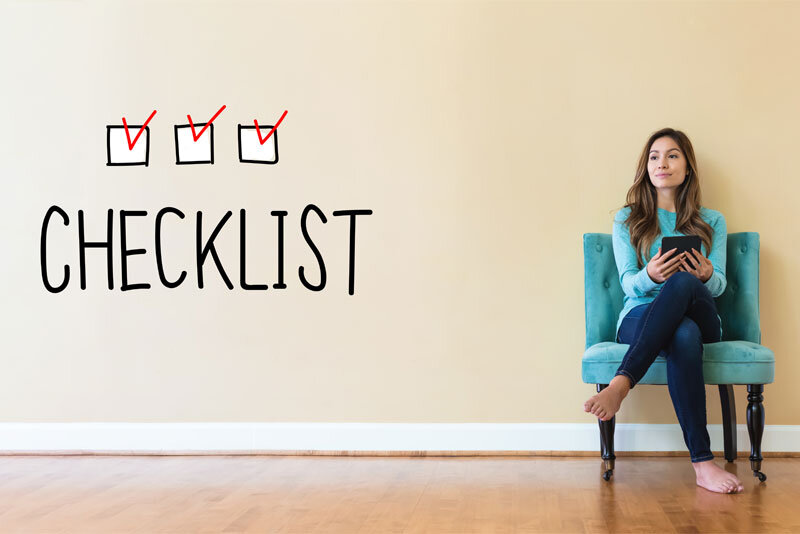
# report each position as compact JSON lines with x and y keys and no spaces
{"x":701,"y":266}
{"x":661,"y":266}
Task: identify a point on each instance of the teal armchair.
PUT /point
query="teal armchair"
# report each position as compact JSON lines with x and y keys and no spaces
{"x":738,"y":359}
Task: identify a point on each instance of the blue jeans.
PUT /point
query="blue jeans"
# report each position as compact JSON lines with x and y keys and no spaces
{"x":675,"y":325}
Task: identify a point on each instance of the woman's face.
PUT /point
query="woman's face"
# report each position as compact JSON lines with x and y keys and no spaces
{"x":666,"y":164}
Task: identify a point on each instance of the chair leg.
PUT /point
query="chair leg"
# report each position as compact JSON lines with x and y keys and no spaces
{"x":728,"y":403}
{"x":607,"y":441}
{"x":755,"y":427}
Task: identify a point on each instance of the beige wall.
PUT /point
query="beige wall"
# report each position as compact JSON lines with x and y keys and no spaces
{"x":486,"y":137}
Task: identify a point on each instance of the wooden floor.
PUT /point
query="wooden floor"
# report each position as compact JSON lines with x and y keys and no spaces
{"x":366,"y":494}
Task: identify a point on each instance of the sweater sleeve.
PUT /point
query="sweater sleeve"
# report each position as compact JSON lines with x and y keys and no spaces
{"x":635,"y":282}
{"x":718,"y":256}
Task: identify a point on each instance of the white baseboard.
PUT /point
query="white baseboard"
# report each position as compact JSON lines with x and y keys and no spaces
{"x":210,"y":437}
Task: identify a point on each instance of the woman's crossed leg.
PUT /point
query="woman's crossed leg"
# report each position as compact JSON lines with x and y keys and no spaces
{"x":676,"y":324}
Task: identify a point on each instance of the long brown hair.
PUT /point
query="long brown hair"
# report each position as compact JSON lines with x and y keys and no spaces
{"x":641,"y":199}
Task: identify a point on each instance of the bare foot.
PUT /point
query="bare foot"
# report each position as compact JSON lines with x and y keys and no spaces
{"x":606,"y":403}
{"x":714,"y":478}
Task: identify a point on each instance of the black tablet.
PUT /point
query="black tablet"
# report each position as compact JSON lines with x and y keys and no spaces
{"x":684,"y":243}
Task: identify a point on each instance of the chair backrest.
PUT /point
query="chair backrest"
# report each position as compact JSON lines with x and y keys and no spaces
{"x":737,"y":306}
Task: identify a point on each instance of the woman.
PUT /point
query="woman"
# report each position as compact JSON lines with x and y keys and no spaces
{"x":669,"y":299}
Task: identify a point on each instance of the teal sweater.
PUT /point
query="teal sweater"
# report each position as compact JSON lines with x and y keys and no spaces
{"x":637,"y":285}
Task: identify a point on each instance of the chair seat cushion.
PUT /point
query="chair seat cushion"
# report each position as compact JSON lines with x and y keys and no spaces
{"x":726,"y":362}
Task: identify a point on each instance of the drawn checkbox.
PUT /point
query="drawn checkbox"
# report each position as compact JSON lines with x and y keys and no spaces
{"x":118,"y":147}
{"x":254,"y":149}
{"x":190,"y":150}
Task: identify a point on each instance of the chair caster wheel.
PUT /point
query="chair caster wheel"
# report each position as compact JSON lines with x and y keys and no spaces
{"x":761,"y":476}
{"x":607,"y":475}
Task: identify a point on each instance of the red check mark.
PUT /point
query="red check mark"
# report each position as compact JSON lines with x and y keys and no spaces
{"x":131,"y":144}
{"x":258,"y":130}
{"x":191,"y":124}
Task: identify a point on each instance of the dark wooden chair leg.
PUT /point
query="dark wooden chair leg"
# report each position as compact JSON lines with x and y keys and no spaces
{"x":755,"y":427}
{"x":728,"y":403}
{"x":607,"y":441}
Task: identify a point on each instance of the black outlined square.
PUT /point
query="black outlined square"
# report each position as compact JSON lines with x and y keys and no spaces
{"x":253,"y":150}
{"x":188,"y":156}
{"x":114,"y":143}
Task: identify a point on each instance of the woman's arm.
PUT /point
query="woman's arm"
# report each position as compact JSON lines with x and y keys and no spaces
{"x":635,"y":282}
{"x":718,"y":257}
